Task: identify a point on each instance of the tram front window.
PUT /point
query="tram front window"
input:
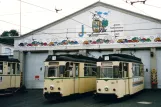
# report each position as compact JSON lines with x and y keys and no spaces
{"x":53,"y":72}
{"x":107,"y":73}
{"x":110,"y":72}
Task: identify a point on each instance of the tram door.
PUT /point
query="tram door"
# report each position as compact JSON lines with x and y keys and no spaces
{"x":12,"y":73}
{"x":126,"y":75}
{"x":76,"y":79}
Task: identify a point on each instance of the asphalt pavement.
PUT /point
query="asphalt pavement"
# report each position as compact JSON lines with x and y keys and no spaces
{"x":34,"y":98}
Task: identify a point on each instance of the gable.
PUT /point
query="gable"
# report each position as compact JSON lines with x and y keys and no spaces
{"x":97,"y":23}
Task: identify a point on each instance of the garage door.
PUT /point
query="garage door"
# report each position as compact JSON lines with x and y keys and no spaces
{"x":158,"y":67}
{"x":145,"y":56}
{"x":34,"y":70}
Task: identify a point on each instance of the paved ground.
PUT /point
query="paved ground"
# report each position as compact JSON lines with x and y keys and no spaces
{"x":34,"y":98}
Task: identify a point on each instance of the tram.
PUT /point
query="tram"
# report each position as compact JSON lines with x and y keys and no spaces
{"x":10,"y":75}
{"x":66,"y":75}
{"x":119,"y":75}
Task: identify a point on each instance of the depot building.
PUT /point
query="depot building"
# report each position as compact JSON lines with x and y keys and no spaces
{"x":94,"y":31}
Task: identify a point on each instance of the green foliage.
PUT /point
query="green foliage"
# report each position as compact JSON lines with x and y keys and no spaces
{"x":5,"y":34}
{"x":11,"y":33}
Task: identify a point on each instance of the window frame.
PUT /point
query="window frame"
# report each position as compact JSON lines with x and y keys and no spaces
{"x":89,"y":66}
{"x":2,"y":67}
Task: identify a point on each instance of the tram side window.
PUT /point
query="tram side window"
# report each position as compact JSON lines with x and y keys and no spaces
{"x":68,"y":70}
{"x":115,"y":71}
{"x":89,"y":70}
{"x":133,"y":70}
{"x":13,"y":68}
{"x":1,"y":67}
{"x":98,"y":72}
{"x":141,"y":70}
{"x":9,"y":68}
{"x":136,"y":70}
{"x":61,"y":70}
{"x":94,"y":71}
{"x":120,"y":70}
{"x":18,"y":68}
{"x":46,"y":71}
{"x":77,"y":70}
{"x":125,"y":69}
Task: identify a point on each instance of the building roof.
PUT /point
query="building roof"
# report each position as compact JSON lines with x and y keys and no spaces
{"x":9,"y":42}
{"x":8,"y":59}
{"x":75,"y":58}
{"x":120,"y":57}
{"x":89,"y":7}
{"x":5,"y":43}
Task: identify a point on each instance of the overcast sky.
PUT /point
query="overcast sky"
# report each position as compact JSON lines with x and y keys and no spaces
{"x":33,"y":17}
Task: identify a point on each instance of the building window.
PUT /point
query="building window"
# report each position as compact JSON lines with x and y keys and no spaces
{"x":7,"y":51}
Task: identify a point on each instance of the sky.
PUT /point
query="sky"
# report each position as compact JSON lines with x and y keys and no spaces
{"x":33,"y":17}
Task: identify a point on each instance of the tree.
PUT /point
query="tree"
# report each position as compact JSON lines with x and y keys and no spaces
{"x":13,"y":33}
{"x":10,"y":33}
{"x":5,"y":34}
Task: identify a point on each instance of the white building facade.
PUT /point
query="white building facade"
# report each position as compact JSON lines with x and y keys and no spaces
{"x":6,"y":49}
{"x":93,"y":31}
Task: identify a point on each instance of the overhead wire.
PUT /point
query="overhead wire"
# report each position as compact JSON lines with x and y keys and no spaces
{"x":19,"y":13}
{"x":140,"y":10}
{"x":53,"y":11}
{"x":152,"y":6}
{"x":78,"y":21}
{"x":14,"y":24}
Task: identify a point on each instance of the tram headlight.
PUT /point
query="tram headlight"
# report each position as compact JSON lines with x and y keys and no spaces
{"x":52,"y":87}
{"x":106,"y":88}
{"x":59,"y":88}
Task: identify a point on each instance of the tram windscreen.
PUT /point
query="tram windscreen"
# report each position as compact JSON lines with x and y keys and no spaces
{"x":53,"y":72}
{"x":107,"y":72}
{"x":110,"y":72}
{"x":56,"y":71}
{"x":114,"y":71}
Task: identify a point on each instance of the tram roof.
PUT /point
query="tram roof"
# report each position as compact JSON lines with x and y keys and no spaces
{"x":8,"y":59}
{"x":120,"y":57}
{"x":75,"y":58}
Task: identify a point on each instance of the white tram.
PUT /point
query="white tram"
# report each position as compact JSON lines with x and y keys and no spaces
{"x":10,"y":75}
{"x":66,"y":75}
{"x":119,"y":75}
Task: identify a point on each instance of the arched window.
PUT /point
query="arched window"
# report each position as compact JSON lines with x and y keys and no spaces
{"x":7,"y":51}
